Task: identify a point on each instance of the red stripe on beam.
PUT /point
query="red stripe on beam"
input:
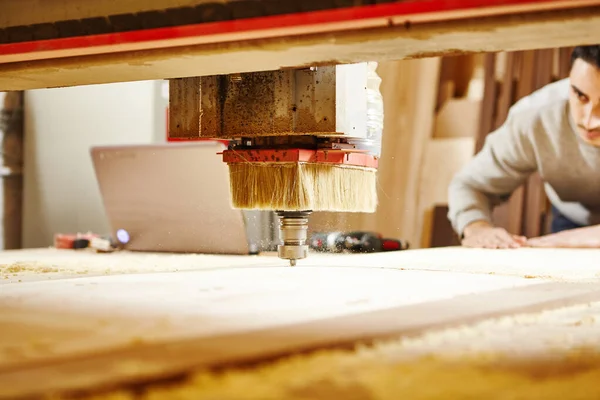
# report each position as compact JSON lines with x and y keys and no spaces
{"x":416,"y":11}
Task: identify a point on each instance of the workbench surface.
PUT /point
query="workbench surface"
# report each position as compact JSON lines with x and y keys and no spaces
{"x":80,"y":320}
{"x":556,"y":264}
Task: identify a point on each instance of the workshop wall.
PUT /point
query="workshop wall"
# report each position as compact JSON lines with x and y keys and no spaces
{"x":60,"y":189}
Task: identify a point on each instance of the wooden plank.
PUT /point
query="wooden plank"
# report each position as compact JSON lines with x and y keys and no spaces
{"x":488,"y":105}
{"x":543,"y":67}
{"x":453,"y":154}
{"x":535,"y":201}
{"x":564,"y":62}
{"x":455,"y":76}
{"x":534,"y":207}
{"x":522,"y":68}
{"x":155,"y":356}
{"x":507,"y":93}
{"x":504,"y":215}
{"x":412,"y":88}
{"x":552,"y":264}
{"x":449,"y":125}
{"x":442,"y":233}
{"x":392,"y":42}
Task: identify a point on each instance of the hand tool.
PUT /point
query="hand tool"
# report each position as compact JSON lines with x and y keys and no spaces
{"x":355,"y":242}
{"x":78,"y":241}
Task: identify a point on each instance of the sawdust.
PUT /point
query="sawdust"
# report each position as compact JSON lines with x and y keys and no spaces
{"x":27,"y":267}
{"x":55,"y":262}
{"x":406,"y":368}
{"x":587,"y":320}
{"x":361,"y":375}
{"x":19,"y":269}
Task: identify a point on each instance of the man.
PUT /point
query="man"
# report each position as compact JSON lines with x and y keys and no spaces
{"x":556,"y":132}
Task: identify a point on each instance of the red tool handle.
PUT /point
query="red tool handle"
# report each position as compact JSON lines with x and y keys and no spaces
{"x":393,"y":245}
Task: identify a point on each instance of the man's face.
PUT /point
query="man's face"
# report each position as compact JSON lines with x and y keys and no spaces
{"x":584,"y":99}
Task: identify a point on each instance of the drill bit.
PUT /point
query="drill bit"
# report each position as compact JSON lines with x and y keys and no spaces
{"x":293,"y":227}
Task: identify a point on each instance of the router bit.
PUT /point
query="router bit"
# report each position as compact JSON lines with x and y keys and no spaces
{"x":293,"y":232}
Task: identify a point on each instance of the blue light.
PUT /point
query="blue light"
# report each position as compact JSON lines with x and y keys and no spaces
{"x":122,"y":236}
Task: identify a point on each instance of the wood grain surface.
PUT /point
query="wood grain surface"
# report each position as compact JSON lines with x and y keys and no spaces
{"x":90,"y":332}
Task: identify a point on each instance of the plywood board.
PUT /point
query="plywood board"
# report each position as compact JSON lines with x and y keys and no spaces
{"x":458,"y":117}
{"x":553,"y":264}
{"x":81,"y":333}
{"x":442,"y":160}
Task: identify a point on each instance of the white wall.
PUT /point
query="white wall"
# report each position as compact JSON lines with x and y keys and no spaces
{"x":60,"y":189}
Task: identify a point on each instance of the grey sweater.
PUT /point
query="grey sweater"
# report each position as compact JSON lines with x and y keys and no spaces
{"x":538,"y":135}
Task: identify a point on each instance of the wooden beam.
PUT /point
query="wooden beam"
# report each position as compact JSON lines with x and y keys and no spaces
{"x":100,"y":28}
{"x":564,"y":62}
{"x":19,"y":12}
{"x":489,"y":102}
{"x":535,"y":197}
{"x":395,"y":41}
{"x":504,"y":215}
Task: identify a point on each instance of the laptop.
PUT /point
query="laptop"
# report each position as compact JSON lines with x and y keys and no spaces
{"x":170,"y":198}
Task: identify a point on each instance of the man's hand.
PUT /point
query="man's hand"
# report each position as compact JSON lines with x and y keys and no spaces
{"x":482,"y":234}
{"x":588,"y":237}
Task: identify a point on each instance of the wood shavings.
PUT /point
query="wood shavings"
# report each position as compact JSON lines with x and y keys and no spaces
{"x":38,"y":264}
{"x":346,"y":375}
{"x":27,"y":267}
{"x":538,"y":355}
{"x":588,"y":320}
